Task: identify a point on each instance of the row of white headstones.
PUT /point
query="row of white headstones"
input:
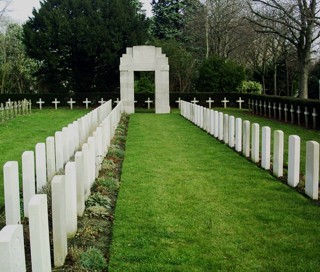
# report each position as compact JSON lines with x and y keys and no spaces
{"x":237,"y":134}
{"x":276,"y":111}
{"x":11,"y":109}
{"x":87,"y":140}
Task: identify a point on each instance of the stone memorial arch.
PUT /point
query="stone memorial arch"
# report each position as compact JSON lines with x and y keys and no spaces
{"x":144,"y":58}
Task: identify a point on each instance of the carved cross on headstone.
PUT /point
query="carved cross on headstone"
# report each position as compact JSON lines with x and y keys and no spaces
{"x":9,"y":102}
{"x":257,"y":112}
{"x":15,"y":106}
{"x":314,"y":118}
{"x":285,"y":113}
{"x":265,"y":108}
{"x":148,"y":102}
{"x":210,"y":102}
{"x":274,"y":110}
{"x":117,"y":101}
{"x":292,"y":114}
{"x":30,"y":105}
{"x":240,"y":101}
{"x":280,"y":111}
{"x":269,"y":109}
{"x":87,"y":102}
{"x":56,"y":102}
{"x":71,"y":102}
{"x":306,"y":113}
{"x":40,"y":102}
{"x":179,"y":102}
{"x":260,"y":107}
{"x":101,"y":101}
{"x":298,"y":113}
{"x":224,"y":102}
{"x":194,"y":101}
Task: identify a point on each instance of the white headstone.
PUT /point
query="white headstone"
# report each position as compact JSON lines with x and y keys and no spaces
{"x":71,"y":102}
{"x":80,"y":183}
{"x":86,"y":102}
{"x":224,"y":102}
{"x":11,"y":192}
{"x":231,"y":131}
{"x":51,"y":158}
{"x":278,"y":153}
{"x":312,"y":170}
{"x":246,"y":138}
{"x":238,"y":136}
{"x":41,"y":168}
{"x":209,"y":101}
{"x":87,"y":173}
{"x":226,"y":128}
{"x":293,"y":160}
{"x":216,"y":124}
{"x":265,"y":149}
{"x":59,"y":226}
{"x":220,"y":126}
{"x":12,"y":254}
{"x":59,"y":151}
{"x":255,"y":144}
{"x":56,"y":102}
{"x":28,"y":179}
{"x":39,"y":234}
{"x":40,"y":102}
{"x":71,"y":198}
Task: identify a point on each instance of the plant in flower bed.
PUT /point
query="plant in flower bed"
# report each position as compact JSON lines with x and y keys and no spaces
{"x":89,"y":249}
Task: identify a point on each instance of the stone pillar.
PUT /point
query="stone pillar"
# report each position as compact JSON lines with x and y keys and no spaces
{"x":231,"y":131}
{"x":238,"y":138}
{"x":255,"y":143}
{"x":293,"y":160}
{"x":246,"y":138}
{"x":266,"y":145}
{"x":312,"y":170}
{"x":28,"y":179}
{"x":278,"y":153}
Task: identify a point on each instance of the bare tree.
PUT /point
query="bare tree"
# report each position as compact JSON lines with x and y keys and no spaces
{"x":294,"y":21}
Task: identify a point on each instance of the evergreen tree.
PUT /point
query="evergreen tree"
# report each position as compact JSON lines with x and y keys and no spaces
{"x":80,"y":42}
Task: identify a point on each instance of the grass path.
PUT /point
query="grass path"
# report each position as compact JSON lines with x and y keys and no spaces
{"x":189,"y":203}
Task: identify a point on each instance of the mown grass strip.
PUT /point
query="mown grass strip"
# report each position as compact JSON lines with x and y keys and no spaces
{"x":189,"y":203}
{"x":25,"y":131}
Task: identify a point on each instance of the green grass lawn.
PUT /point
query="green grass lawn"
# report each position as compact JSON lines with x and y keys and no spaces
{"x":288,"y":129}
{"x":189,"y":203}
{"x":25,"y":131}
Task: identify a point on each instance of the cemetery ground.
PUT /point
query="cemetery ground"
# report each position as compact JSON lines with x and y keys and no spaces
{"x":189,"y":203}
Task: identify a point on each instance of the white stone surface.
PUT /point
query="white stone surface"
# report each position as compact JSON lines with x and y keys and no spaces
{"x":226,"y":128}
{"x":144,"y":58}
{"x":265,"y":147}
{"x":39,"y":234}
{"x":28,"y":179}
{"x":220,"y":126}
{"x":59,"y":226}
{"x":212,"y":122}
{"x":312,"y":170}
{"x":71,"y":198}
{"x":278,"y":146}
{"x":216,"y":124}
{"x":255,"y":143}
{"x":51,"y":158}
{"x":11,"y":192}
{"x":238,"y":136}
{"x":12,"y":254}
{"x":246,"y":138}
{"x":65,"y":141}
{"x":231,"y":131}
{"x":87,"y":170}
{"x":59,"y":151}
{"x":80,"y":183}
{"x":41,"y":167}
{"x":293,"y":160}
{"x":92,"y":159}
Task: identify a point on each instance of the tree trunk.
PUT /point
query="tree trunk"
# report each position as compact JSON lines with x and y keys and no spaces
{"x":303,"y":79}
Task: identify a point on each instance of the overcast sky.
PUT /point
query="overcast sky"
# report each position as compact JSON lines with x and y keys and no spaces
{"x":20,"y":10}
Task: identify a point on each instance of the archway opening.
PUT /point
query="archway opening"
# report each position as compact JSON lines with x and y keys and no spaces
{"x":144,"y":89}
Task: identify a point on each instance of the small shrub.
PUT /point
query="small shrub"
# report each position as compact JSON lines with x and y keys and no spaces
{"x":250,"y":87}
{"x":98,"y":199}
{"x":116,"y":152}
{"x":93,"y":260}
{"x":110,"y":183}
